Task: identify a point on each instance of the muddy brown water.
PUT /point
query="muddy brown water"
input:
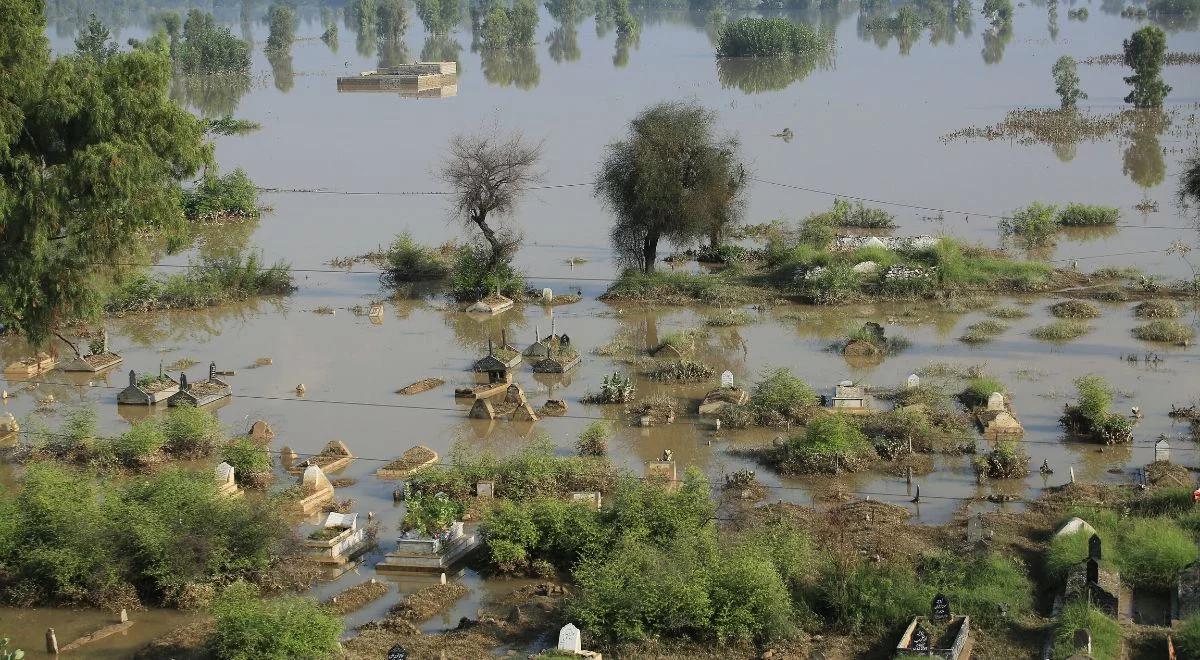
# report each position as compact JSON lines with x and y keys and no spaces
{"x":869,"y":126}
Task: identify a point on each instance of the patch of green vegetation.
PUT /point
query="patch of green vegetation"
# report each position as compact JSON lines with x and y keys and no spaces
{"x":206,"y":284}
{"x":1075,"y":309}
{"x":1008,"y":312}
{"x":1187,"y":638}
{"x":228,"y":125}
{"x":770,"y":37}
{"x":830,"y":444}
{"x":430,"y":514}
{"x":474,"y":272}
{"x":1173,"y":7}
{"x":218,"y":197}
{"x":1088,"y":215}
{"x":679,"y":288}
{"x":1090,"y":416}
{"x":1165,"y":330}
{"x":593,"y":441}
{"x":978,"y":389}
{"x":1061,"y":330}
{"x":405,"y":260}
{"x":1007,"y":461}
{"x":1070,"y":550}
{"x":246,"y":456}
{"x":248,"y":626}
{"x":1035,"y":224}
{"x":69,"y":538}
{"x":1158,"y":309}
{"x":1106,"y":633}
{"x":859,"y":216}
{"x":984,"y":331}
{"x":682,"y":371}
{"x":1153,"y":551}
{"x":732,"y":319}
{"x":208,"y":48}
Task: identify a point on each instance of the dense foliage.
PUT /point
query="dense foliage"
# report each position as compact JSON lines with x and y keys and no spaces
{"x":208,"y":48}
{"x":67,"y":538}
{"x":505,"y":27}
{"x":1090,"y":415}
{"x":830,"y":444}
{"x":212,"y":281}
{"x":1144,"y":52}
{"x":405,"y":260}
{"x":77,"y":186}
{"x":770,"y":37}
{"x":1066,"y":82}
{"x":218,"y":197}
{"x":282,"y":21}
{"x":246,"y":627}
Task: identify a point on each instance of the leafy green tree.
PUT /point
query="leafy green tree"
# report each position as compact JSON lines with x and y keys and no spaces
{"x":94,"y":41}
{"x":1144,"y":53}
{"x":1066,"y":82}
{"x":250,"y":628}
{"x":1189,"y":180}
{"x":1035,"y":224}
{"x":282,"y":21}
{"x":671,"y":178}
{"x":77,"y":187}
{"x":439,"y":16}
{"x":208,"y":48}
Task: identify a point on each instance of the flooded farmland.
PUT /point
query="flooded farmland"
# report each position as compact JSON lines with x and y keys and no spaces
{"x":346,"y":172}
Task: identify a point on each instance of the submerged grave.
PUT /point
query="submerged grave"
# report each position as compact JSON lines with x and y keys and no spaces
{"x":338,"y":540}
{"x":415,"y":553}
{"x":410,"y":462}
{"x":31,"y":366}
{"x":97,"y":361}
{"x":420,"y":79}
{"x":491,"y":305}
{"x":200,"y":393}
{"x":335,"y":456}
{"x":996,"y":420}
{"x":148,"y":390}
{"x":315,"y":490}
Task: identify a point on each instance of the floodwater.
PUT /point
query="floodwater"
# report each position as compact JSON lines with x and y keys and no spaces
{"x":868,"y":125}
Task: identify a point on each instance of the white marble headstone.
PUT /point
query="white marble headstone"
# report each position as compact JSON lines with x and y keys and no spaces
{"x":727,"y":379}
{"x":225,"y":474}
{"x":913,"y":381}
{"x":1162,"y":451}
{"x":996,"y":401}
{"x":568,"y":639}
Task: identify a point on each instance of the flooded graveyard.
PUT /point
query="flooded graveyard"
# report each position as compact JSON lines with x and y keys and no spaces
{"x":343,"y":173}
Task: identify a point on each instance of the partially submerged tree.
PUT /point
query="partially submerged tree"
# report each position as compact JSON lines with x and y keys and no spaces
{"x":76,"y":187}
{"x":1189,"y":180}
{"x":282,"y":20}
{"x":999,"y":12}
{"x":1144,"y":53}
{"x":1066,"y":82}
{"x":488,"y":175}
{"x":94,"y":41}
{"x":671,"y":178}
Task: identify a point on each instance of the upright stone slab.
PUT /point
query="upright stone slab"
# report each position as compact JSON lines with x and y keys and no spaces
{"x":1094,"y":549}
{"x":1093,"y":571}
{"x":261,"y":431}
{"x":920,"y":640}
{"x":940,"y":609}
{"x":727,"y":379}
{"x":226,"y":480}
{"x":1162,"y":451}
{"x":485,"y":489}
{"x":1083,"y":641}
{"x":397,"y":652}
{"x":996,"y":401}
{"x":975,"y":529}
{"x":569,"y":639}
{"x":913,"y":381}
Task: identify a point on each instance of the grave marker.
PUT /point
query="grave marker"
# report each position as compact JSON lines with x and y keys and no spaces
{"x":727,"y":379}
{"x":485,"y":489}
{"x":1162,"y":451}
{"x":913,"y":381}
{"x":1083,"y":641}
{"x":920,"y":640}
{"x":975,"y":529}
{"x":1094,"y":549}
{"x":941,"y":609}
{"x":568,"y":639}
{"x":1093,"y":571}
{"x":996,"y":401}
{"x":397,"y":652}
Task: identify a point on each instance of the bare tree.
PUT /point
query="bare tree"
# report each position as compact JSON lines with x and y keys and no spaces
{"x":488,"y":174}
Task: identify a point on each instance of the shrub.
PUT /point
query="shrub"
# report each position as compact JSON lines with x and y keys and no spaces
{"x":1088,"y":215}
{"x":1187,"y":638}
{"x":594,"y":439}
{"x":1106,"y":633}
{"x":1164,"y":330}
{"x":830,"y":443}
{"x":141,"y":440}
{"x":683,"y":371}
{"x":1153,"y":551}
{"x":1061,"y":330}
{"x":473,"y":274}
{"x":1075,"y":309}
{"x":207,"y":48}
{"x":860,"y":216}
{"x":190,"y":431}
{"x":868,"y":599}
{"x":778,"y":395}
{"x":769,"y":37}
{"x":209,"y":283}
{"x":1069,"y":550}
{"x":1157,"y":309}
{"x":1007,"y":461}
{"x":1035,"y":224}
{"x":429,"y":515}
{"x":408,"y":261}
{"x":982,"y":586}
{"x":247,"y":627}
{"x":246,"y":456}
{"x":218,"y":197}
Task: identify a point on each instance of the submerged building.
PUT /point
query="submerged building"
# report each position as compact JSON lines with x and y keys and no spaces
{"x":419,"y":79}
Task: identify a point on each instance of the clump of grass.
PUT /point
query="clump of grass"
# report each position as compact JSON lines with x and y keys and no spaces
{"x":984,"y":331}
{"x":830,"y":444}
{"x":1111,"y":294}
{"x":1088,"y":215}
{"x":1006,"y":461}
{"x":1157,"y":309}
{"x":978,"y":390}
{"x":1153,"y":551}
{"x":1075,"y":309}
{"x":594,"y":439}
{"x":408,"y":261}
{"x":1187,"y":637}
{"x":1061,"y":330}
{"x":1106,"y":633}
{"x":220,"y":197}
{"x":682,"y":371}
{"x":1165,"y":330}
{"x":1008,"y":312}
{"x":673,"y":288}
{"x":732,"y":319}
{"x":1069,"y":550}
{"x":1090,"y":415}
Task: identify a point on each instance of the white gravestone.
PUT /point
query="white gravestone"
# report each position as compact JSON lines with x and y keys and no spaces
{"x":225,"y":474}
{"x":547,"y":295}
{"x":568,"y":639}
{"x":1162,"y":451}
{"x":996,"y":401}
{"x":913,"y":381}
{"x":727,"y":379}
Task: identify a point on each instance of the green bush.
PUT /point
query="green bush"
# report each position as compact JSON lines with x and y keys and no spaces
{"x":979,"y":389}
{"x":769,"y":37}
{"x":190,"y":431}
{"x":1106,"y":633}
{"x":211,"y":282}
{"x":1165,"y":330}
{"x":142,"y":439}
{"x":1075,"y":309}
{"x":1187,"y":638}
{"x":982,"y":586}
{"x":830,"y":443}
{"x":1034,"y":224}
{"x":1007,"y":461}
{"x":218,"y":197}
{"x":246,"y":456}
{"x":1088,"y":215}
{"x":868,"y":599}
{"x":408,"y":261}
{"x":246,"y":627}
{"x":1069,"y":550}
{"x":430,"y":514}
{"x":473,"y":274}
{"x":207,"y":48}
{"x":594,"y":439}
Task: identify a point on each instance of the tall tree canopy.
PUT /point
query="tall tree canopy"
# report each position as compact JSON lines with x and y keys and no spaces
{"x":91,"y":153}
{"x":1144,"y":53}
{"x":671,"y":178}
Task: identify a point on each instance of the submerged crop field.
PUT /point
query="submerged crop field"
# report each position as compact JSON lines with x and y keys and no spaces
{"x":653,"y":329}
